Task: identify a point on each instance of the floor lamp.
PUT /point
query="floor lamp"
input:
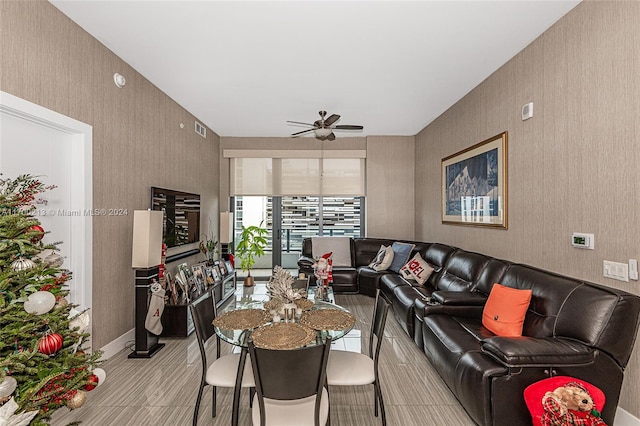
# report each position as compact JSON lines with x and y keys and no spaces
{"x":145,"y":258}
{"x":226,"y":233}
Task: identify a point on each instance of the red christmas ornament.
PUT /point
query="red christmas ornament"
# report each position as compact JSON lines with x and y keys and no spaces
{"x":93,"y":382}
{"x":49,"y":344}
{"x":39,"y":229}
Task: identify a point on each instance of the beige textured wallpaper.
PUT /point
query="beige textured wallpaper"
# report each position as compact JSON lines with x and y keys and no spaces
{"x":390,"y":183}
{"x":573,"y":167}
{"x":137,"y":140}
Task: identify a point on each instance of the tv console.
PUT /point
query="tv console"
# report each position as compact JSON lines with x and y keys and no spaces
{"x":176,"y":318}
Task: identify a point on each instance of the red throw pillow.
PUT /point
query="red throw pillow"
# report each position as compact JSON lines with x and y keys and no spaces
{"x":505,"y":309}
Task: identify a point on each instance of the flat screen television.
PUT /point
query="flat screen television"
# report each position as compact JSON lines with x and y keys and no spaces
{"x":181,"y":224}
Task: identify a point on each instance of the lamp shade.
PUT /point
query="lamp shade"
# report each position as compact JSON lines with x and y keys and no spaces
{"x":147,"y":238}
{"x":226,"y":227}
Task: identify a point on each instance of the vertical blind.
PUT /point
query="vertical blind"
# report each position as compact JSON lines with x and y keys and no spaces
{"x":297,"y":173}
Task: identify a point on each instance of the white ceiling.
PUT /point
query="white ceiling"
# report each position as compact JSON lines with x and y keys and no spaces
{"x":244,"y":68}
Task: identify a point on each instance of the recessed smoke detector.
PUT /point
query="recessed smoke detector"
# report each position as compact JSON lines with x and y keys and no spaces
{"x":119,"y":80}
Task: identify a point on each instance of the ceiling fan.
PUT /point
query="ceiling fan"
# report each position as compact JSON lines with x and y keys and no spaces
{"x":324,"y":127}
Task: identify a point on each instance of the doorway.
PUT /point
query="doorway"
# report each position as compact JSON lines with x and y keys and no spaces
{"x":290,"y":219}
{"x":57,"y":148}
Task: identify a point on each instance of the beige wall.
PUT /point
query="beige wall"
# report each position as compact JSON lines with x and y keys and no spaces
{"x":137,"y":141}
{"x":572,"y":167}
{"x":390,"y":183}
{"x":389,"y":176}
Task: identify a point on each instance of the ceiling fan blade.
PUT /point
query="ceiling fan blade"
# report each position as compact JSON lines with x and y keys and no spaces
{"x":348,"y":127}
{"x":303,"y":131}
{"x":331,"y":137}
{"x":332,"y":119}
{"x":298,"y":122}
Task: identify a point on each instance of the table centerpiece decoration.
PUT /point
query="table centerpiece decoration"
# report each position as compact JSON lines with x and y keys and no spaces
{"x":280,"y":287}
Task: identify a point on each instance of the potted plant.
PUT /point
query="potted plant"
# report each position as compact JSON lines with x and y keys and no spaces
{"x":253,"y":240}
{"x":209,"y":247}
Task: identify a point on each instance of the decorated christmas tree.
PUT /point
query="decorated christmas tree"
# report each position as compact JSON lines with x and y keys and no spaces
{"x":43,"y":363}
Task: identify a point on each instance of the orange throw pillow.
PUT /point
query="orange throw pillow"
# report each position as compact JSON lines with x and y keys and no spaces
{"x":505,"y":309}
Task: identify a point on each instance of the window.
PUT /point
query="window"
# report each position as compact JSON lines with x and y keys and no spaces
{"x":302,"y":173}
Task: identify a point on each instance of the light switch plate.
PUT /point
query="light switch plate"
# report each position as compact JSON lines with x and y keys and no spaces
{"x":615,"y":270}
{"x":633,"y":269}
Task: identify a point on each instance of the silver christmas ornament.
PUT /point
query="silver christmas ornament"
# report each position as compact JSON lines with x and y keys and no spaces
{"x":22,"y":264}
{"x":54,"y":260}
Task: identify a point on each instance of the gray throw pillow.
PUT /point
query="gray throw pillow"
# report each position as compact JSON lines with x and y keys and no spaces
{"x":378,"y":257}
{"x":401,"y":254}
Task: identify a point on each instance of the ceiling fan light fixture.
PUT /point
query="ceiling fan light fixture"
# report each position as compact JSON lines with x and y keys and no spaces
{"x":322,"y":132}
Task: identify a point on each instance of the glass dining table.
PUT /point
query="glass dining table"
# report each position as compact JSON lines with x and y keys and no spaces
{"x":252,"y":300}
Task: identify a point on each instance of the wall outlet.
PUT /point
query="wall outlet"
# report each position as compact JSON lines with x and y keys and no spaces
{"x":617,"y":271}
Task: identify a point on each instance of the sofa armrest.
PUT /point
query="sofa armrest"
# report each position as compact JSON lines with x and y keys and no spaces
{"x":529,"y":351}
{"x":305,"y":262}
{"x":459,"y":298}
{"x":428,"y":306}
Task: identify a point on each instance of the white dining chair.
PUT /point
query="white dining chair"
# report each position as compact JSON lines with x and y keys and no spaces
{"x":290,"y":386}
{"x":222,"y":371}
{"x":353,"y":368}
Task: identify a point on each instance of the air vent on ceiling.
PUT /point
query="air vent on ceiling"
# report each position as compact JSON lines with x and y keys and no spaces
{"x":201,"y":130}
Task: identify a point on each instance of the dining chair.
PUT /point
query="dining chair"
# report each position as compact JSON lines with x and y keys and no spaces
{"x":290,"y":385}
{"x":223,"y":370}
{"x":353,"y":368}
{"x":302,"y":284}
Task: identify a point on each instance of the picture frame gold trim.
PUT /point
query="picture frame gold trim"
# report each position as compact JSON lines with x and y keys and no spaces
{"x":474,"y":185}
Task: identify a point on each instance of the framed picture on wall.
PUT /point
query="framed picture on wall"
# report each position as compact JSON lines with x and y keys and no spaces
{"x":474,"y":185}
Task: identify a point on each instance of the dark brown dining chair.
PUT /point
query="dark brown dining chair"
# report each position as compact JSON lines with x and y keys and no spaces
{"x":222,"y":371}
{"x":353,"y":368}
{"x":290,"y":386}
{"x":302,"y":284}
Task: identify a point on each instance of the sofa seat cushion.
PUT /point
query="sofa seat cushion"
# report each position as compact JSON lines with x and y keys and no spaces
{"x":456,"y":335}
{"x":526,"y":351}
{"x":389,"y":282}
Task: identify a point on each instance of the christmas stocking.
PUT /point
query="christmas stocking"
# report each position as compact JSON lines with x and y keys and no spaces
{"x":156,"y":307}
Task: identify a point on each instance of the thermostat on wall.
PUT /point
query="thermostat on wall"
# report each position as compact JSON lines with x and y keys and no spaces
{"x":585,"y":241}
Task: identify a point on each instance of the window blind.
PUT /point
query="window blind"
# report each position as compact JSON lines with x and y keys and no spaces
{"x":321,"y":173}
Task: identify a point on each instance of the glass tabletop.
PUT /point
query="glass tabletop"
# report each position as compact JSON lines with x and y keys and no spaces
{"x":255,"y":297}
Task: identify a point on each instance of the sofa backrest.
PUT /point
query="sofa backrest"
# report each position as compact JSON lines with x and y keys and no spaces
{"x":596,"y":314}
{"x":307,"y":248}
{"x":365,"y":249}
{"x":436,"y":255}
{"x":461,"y":271}
{"x":548,"y":292}
{"x":492,"y":273}
{"x":566,"y":307}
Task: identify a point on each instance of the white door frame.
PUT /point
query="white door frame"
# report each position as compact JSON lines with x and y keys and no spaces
{"x":81,"y":134}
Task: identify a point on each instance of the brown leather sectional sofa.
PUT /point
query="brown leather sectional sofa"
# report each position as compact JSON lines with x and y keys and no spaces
{"x":572,"y":327}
